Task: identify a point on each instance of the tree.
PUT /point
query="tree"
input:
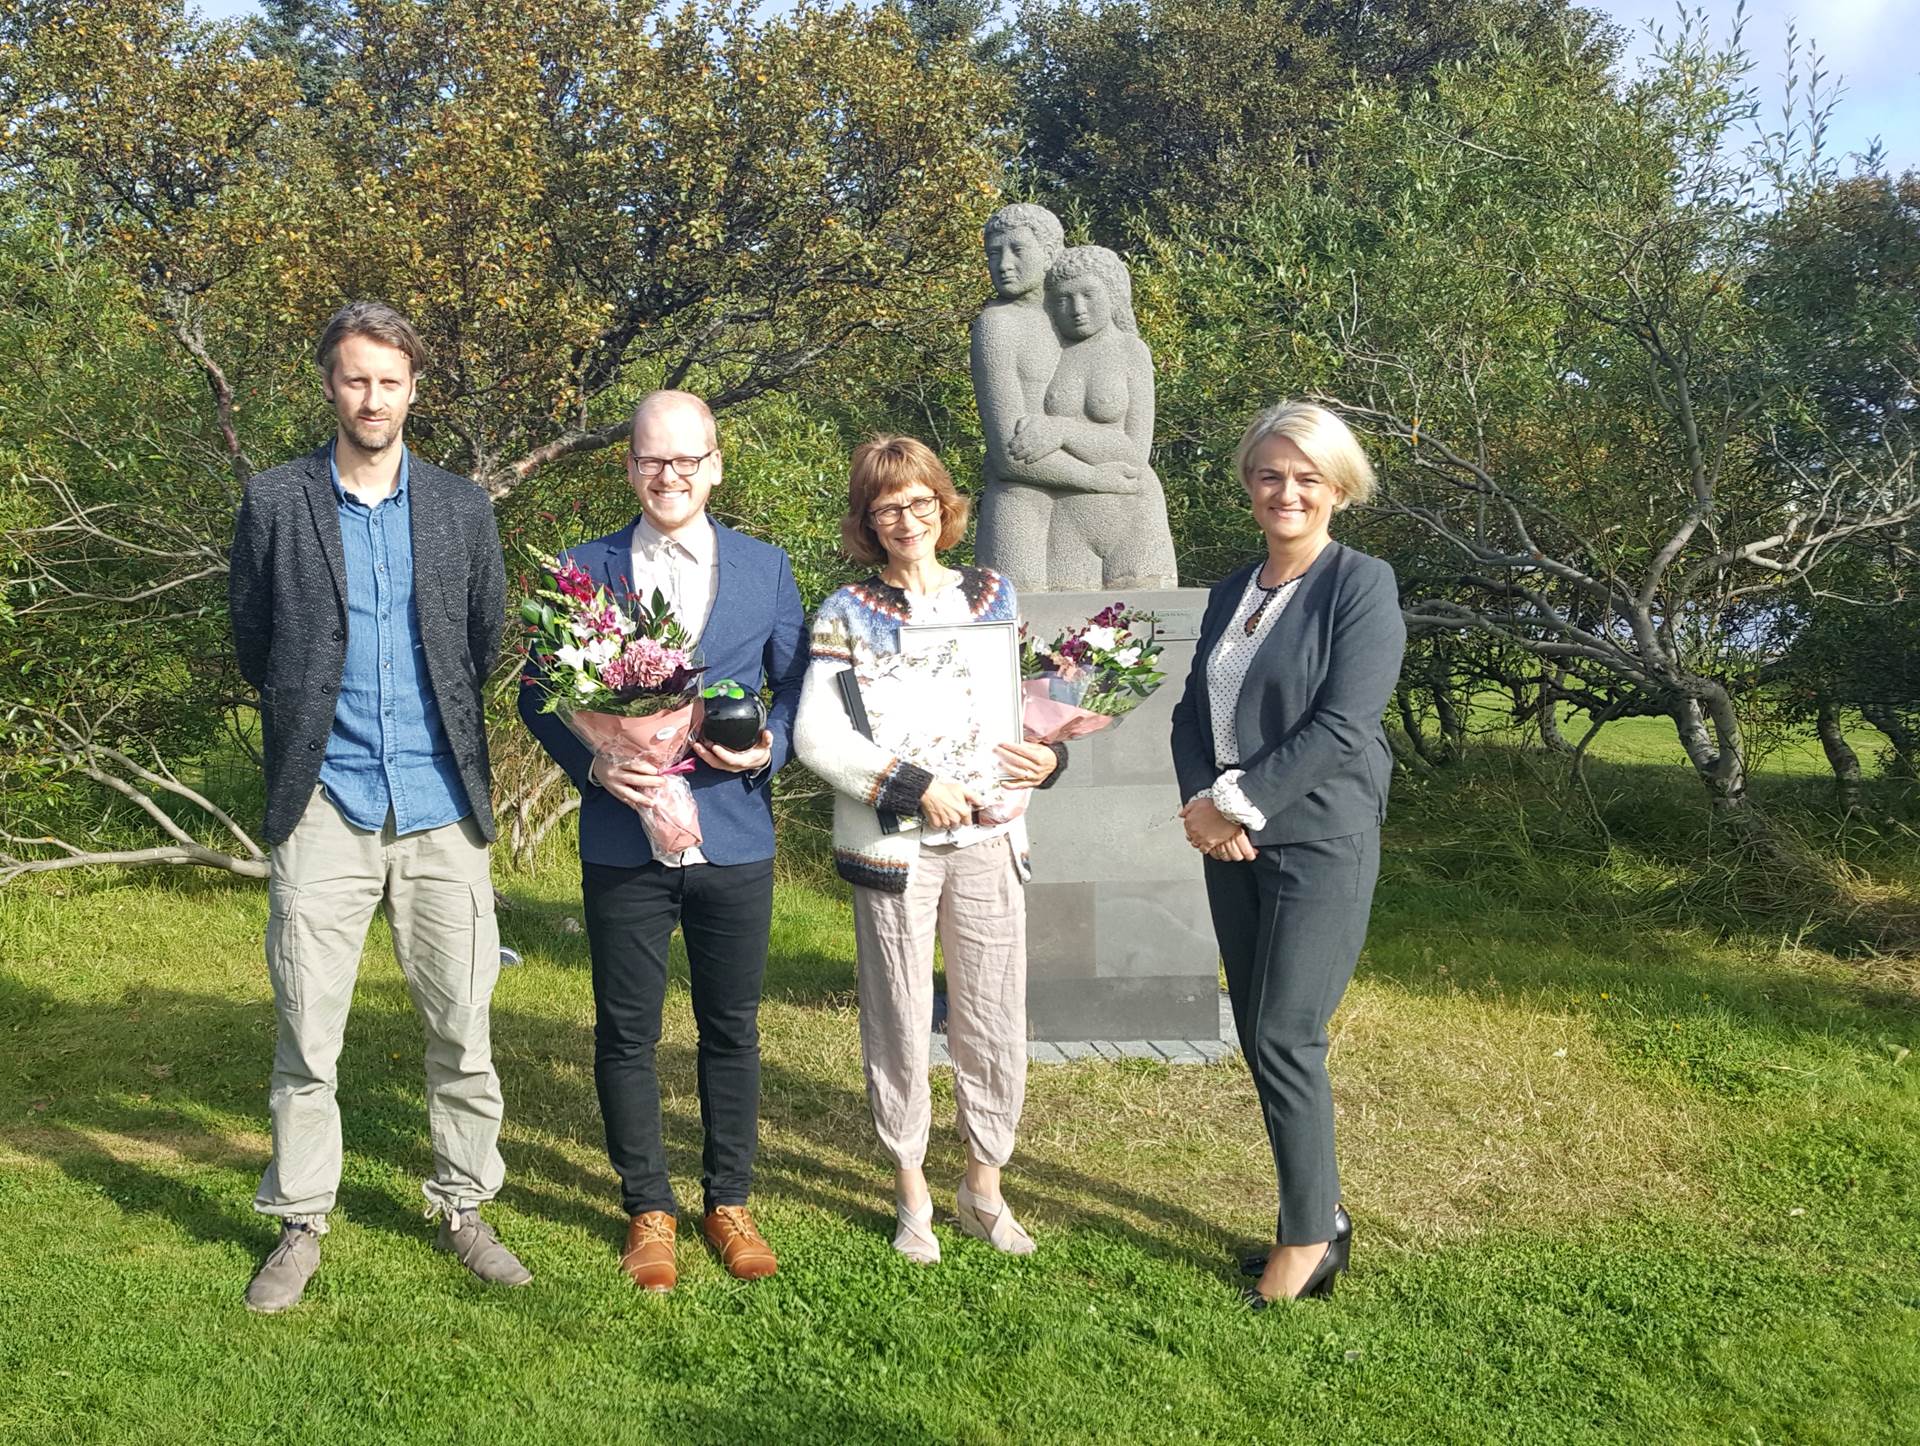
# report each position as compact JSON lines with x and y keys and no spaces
{"x":1532,"y":292}
{"x":1138,"y":111}
{"x":574,"y":199}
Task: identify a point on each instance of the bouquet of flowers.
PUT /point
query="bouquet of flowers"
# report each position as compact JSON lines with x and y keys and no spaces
{"x":625,"y":683}
{"x":1086,"y":679}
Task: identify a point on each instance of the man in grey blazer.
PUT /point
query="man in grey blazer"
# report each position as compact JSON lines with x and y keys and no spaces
{"x":368,"y":597}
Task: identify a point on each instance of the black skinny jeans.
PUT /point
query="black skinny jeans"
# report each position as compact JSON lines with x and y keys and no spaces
{"x":724,"y":912}
{"x":1290,"y":925}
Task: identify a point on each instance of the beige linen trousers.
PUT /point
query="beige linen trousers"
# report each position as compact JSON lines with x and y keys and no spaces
{"x":973,"y":898}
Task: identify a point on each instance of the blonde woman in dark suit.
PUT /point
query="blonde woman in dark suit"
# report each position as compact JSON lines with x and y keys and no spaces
{"x":1284,"y":765}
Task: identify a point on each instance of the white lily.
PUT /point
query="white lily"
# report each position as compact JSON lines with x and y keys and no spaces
{"x":1127,"y":657}
{"x":1101,"y":640}
{"x":570,"y":657}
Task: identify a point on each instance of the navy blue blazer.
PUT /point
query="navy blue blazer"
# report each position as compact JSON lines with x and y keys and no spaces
{"x":1312,"y":746}
{"x":756,"y":633}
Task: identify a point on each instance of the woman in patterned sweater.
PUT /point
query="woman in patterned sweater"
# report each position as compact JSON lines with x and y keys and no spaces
{"x":941,"y":871}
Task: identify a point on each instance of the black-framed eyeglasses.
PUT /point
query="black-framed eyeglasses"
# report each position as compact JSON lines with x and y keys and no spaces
{"x":892,"y":512}
{"x":652,"y":467}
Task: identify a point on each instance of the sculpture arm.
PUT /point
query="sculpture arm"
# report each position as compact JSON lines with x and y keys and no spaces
{"x":1140,"y":399}
{"x":997,"y":394}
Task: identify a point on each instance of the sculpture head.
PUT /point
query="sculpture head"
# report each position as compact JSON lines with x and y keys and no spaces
{"x":1089,"y":289}
{"x":1021,"y":242}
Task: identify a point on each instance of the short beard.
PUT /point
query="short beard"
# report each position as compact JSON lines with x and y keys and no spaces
{"x":366,"y":443}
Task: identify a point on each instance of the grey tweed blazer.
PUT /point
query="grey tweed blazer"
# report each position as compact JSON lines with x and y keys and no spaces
{"x":286,"y":595}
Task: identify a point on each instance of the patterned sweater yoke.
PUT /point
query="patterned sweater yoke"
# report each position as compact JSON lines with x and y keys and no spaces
{"x":863,"y":619}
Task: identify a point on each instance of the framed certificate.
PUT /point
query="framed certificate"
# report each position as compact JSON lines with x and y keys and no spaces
{"x":987,"y":657}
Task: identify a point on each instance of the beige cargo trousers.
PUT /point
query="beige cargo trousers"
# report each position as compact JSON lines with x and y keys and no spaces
{"x":324,"y":883}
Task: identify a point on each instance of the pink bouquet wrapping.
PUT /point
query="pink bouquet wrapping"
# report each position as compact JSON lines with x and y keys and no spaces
{"x":624,"y":683}
{"x":668,"y":814}
{"x":1086,"y":679}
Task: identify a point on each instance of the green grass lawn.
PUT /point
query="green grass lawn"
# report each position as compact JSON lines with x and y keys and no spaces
{"x":1625,"y":1165}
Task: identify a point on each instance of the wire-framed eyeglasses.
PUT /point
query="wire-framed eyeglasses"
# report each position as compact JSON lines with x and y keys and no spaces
{"x":651,"y":467}
{"x":892,"y":512}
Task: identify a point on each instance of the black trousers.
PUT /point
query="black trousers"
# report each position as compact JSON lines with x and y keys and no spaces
{"x":1290,"y":925}
{"x":724,"y":913}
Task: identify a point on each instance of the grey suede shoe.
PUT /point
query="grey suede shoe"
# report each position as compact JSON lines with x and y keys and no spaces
{"x":282,"y":1279}
{"x":475,"y":1246}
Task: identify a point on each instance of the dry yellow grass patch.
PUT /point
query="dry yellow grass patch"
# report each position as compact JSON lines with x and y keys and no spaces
{"x":1460,"y":1112}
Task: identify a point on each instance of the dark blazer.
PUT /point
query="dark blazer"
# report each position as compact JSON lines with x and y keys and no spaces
{"x":756,"y":632}
{"x":286,"y":594}
{"x":1314,"y":753}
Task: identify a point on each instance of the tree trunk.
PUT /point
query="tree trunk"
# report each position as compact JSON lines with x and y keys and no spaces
{"x":1546,"y":716}
{"x":1453,"y":728}
{"x":1906,"y":747}
{"x":1840,"y":755}
{"x":1404,"y":757}
{"x":1411,"y":722}
{"x":1710,"y":734}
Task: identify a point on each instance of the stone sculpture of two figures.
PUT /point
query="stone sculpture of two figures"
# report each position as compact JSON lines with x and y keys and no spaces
{"x":1065,"y":390}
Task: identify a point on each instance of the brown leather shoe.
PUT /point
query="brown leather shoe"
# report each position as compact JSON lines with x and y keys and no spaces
{"x":730,"y":1230}
{"x":648,"y":1258}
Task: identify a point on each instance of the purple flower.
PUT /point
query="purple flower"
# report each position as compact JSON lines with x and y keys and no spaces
{"x":571,"y":580}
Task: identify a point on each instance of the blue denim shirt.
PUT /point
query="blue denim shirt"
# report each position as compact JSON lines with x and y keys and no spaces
{"x":388,"y":751}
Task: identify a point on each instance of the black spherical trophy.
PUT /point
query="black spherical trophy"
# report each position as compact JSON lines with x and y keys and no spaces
{"x":731,"y":717}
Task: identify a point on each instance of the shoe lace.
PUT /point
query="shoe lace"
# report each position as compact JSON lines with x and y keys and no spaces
{"x":290,"y":1237}
{"x":655,"y":1229}
{"x":736,"y":1218}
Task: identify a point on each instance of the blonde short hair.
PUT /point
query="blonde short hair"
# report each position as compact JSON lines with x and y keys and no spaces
{"x":1328,"y":442}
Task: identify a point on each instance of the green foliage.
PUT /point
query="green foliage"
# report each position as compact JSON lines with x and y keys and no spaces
{"x":822,"y":180}
{"x":1141,"y":110}
{"x":94,"y":413}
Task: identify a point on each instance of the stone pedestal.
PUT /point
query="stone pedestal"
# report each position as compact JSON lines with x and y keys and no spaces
{"x":1119,"y":944}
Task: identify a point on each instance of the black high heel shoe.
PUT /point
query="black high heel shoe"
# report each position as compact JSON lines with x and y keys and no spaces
{"x":1255,"y":1264}
{"x":1319,"y":1285}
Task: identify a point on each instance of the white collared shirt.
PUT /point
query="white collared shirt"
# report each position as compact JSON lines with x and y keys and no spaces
{"x":686,"y":570}
{"x":684,"y":567}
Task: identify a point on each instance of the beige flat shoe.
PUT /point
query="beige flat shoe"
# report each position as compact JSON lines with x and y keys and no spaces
{"x":992,"y":1223}
{"x":914,"y":1236}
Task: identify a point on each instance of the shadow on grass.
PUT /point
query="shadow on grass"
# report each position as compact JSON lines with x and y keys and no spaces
{"x":171,"y":1084}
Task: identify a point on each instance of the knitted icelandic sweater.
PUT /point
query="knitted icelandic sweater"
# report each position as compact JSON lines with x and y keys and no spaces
{"x":854,"y":628}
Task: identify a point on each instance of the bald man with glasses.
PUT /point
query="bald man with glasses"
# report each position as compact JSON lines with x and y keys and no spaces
{"x":737,"y":597}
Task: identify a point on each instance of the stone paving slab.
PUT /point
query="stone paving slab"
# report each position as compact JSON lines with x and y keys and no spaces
{"x":1067,"y":1051}
{"x":1178,"y":1051}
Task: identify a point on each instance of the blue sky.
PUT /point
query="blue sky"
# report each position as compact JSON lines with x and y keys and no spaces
{"x":1871,"y":47}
